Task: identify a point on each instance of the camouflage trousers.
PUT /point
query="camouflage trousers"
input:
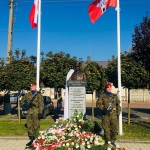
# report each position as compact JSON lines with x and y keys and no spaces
{"x":110,"y":126}
{"x":33,"y":124}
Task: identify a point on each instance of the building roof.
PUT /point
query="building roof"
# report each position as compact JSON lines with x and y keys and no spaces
{"x":104,"y":64}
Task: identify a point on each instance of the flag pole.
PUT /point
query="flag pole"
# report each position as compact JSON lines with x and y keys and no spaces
{"x":38,"y":46}
{"x":119,"y":65}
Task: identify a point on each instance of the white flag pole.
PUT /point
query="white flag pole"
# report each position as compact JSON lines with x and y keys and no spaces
{"x":38,"y":45}
{"x":119,"y":65}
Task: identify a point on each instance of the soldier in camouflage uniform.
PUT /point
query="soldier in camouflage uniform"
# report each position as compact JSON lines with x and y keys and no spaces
{"x":34,"y":112}
{"x":109,"y":104}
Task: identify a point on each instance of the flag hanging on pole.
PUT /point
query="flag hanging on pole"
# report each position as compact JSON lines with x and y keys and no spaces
{"x":33,"y":18}
{"x":98,"y":7}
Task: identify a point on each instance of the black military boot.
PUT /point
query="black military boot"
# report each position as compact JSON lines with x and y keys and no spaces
{"x":113,"y":143}
{"x":31,"y":141}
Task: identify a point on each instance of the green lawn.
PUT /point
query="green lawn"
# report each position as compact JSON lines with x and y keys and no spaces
{"x":14,"y":128}
{"x":135,"y":131}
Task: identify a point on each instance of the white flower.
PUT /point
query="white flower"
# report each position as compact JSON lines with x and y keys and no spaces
{"x":43,"y":137}
{"x":96,"y":142}
{"x":63,"y":145}
{"x":70,"y":134}
{"x":41,"y":132}
{"x":88,"y":137}
{"x":91,"y":138}
{"x":77,"y":146}
{"x":72,"y":143}
{"x":67,"y":144}
{"x":76,"y":129}
{"x":69,"y":128}
{"x":101,"y":143}
{"x":108,"y":148}
{"x":88,"y":143}
{"x":80,"y":120}
{"x":96,"y":138}
{"x":88,"y":146}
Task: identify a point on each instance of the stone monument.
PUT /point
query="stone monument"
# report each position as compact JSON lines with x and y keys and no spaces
{"x":77,"y":92}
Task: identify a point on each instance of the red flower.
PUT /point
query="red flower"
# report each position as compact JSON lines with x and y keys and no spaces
{"x":52,"y":147}
{"x":35,"y":143}
{"x":80,"y":124}
{"x":41,"y":141}
{"x":42,"y":148}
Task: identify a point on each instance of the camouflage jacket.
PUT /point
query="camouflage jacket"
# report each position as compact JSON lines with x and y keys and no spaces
{"x":38,"y":102}
{"x":103,"y":103}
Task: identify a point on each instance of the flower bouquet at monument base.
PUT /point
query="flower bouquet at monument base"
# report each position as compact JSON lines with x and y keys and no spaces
{"x":70,"y":134}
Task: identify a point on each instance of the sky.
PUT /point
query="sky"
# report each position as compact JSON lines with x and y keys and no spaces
{"x":66,"y":26}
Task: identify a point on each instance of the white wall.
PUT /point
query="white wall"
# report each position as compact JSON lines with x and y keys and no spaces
{"x":141,"y":95}
{"x":124,"y":92}
{"x":48,"y":92}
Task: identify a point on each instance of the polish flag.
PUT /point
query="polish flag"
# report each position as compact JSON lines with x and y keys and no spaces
{"x":33,"y":18}
{"x":98,"y":7}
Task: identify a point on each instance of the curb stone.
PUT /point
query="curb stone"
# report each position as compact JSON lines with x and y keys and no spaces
{"x":14,"y":138}
{"x":132,"y":141}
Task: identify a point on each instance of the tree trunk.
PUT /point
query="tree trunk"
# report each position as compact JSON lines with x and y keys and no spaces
{"x":19,"y":116}
{"x":128,"y":106}
{"x":92,"y":108}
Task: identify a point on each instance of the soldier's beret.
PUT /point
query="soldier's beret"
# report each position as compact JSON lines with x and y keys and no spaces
{"x":33,"y":83}
{"x":108,"y":85}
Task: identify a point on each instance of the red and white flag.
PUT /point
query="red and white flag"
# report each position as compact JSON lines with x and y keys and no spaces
{"x":33,"y":18}
{"x":98,"y":7}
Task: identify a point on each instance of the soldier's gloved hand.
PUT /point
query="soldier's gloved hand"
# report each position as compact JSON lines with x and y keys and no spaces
{"x":40,"y":116}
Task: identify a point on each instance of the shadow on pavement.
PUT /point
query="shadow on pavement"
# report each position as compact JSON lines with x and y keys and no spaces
{"x":97,"y":112}
{"x":132,"y":116}
{"x":143,"y":110}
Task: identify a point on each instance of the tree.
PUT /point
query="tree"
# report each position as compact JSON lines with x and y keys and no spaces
{"x":141,"y":44}
{"x":133,"y":74}
{"x":95,"y":76}
{"x":18,"y":74}
{"x":95,"y":79}
{"x":54,"y":69}
{"x":2,"y":74}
